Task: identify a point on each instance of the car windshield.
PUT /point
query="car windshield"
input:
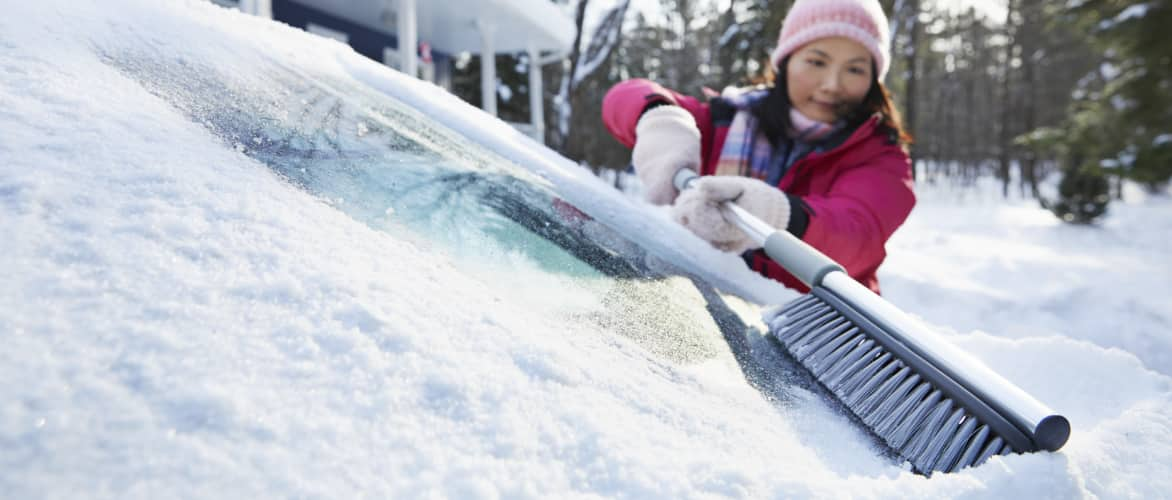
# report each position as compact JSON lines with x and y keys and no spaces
{"x":392,"y":168}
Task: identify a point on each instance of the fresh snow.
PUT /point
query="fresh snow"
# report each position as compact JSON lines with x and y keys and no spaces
{"x":1136,"y":11}
{"x":1133,"y":12}
{"x":178,"y":321}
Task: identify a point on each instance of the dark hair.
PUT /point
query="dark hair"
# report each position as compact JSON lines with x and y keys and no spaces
{"x":772,"y":112}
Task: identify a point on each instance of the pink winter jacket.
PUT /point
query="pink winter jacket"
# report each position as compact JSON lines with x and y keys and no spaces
{"x":855,"y":195}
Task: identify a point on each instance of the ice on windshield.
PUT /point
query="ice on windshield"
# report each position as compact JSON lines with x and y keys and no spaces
{"x":389,"y":167}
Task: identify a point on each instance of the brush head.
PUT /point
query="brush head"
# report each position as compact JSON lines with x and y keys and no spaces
{"x":910,"y":403}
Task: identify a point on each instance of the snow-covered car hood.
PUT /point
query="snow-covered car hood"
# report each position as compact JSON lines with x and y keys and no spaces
{"x":184,"y":315}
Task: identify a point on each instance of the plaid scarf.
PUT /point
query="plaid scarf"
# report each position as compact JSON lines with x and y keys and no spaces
{"x":747,"y":151}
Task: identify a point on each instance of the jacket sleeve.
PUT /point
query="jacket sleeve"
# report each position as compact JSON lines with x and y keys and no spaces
{"x":865,"y":205}
{"x":624,"y":104}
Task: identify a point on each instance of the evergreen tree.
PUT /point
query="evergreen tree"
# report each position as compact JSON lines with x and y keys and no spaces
{"x":744,"y":36}
{"x":1083,"y":195}
{"x":1136,"y":98}
{"x":512,"y":73}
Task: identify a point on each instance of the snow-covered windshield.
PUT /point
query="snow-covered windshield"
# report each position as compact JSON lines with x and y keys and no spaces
{"x":388,"y":166}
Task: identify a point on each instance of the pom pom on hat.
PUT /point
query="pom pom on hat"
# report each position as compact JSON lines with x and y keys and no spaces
{"x":860,"y":20}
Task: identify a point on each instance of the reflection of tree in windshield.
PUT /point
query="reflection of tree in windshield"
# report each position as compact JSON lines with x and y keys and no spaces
{"x":391,"y":170}
{"x":506,"y":195}
{"x":341,"y":154}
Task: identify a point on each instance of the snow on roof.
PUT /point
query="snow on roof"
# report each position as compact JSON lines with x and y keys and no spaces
{"x":450,"y":25}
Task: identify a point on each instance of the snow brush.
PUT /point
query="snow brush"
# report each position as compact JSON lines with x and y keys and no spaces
{"x":934,"y":405}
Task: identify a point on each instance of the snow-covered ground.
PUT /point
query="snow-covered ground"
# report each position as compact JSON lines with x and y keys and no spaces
{"x":178,"y":321}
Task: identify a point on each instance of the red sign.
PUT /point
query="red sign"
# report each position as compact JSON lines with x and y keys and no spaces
{"x":425,"y":52}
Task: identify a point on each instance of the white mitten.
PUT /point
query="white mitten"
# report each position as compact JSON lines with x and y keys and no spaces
{"x":697,"y":209}
{"x":666,"y":140}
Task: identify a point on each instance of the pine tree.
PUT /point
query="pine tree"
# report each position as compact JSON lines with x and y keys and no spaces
{"x":1083,"y":195}
{"x":745,"y":35}
{"x":1136,"y":98}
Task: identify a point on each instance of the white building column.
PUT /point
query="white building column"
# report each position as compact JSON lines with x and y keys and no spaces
{"x":536,"y":103}
{"x":260,"y":8}
{"x":408,"y":38}
{"x":487,"y":67}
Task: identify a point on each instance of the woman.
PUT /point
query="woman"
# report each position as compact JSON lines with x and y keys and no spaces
{"x":820,"y":153}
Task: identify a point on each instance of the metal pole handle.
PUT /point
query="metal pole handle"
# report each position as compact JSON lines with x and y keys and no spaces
{"x":803,"y":261}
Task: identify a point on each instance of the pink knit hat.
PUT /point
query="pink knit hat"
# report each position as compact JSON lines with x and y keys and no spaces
{"x":860,"y":20}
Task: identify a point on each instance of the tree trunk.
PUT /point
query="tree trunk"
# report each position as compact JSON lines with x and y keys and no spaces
{"x":1006,"y":138}
{"x":566,"y":93}
{"x":1032,"y":22}
{"x":910,"y":98}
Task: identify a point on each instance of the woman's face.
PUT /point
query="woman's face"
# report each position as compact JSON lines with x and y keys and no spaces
{"x":828,"y":77}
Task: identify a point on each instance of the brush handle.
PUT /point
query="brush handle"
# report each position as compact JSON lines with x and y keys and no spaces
{"x":803,"y":261}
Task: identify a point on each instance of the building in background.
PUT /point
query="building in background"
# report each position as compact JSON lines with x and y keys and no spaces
{"x":423,"y":37}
